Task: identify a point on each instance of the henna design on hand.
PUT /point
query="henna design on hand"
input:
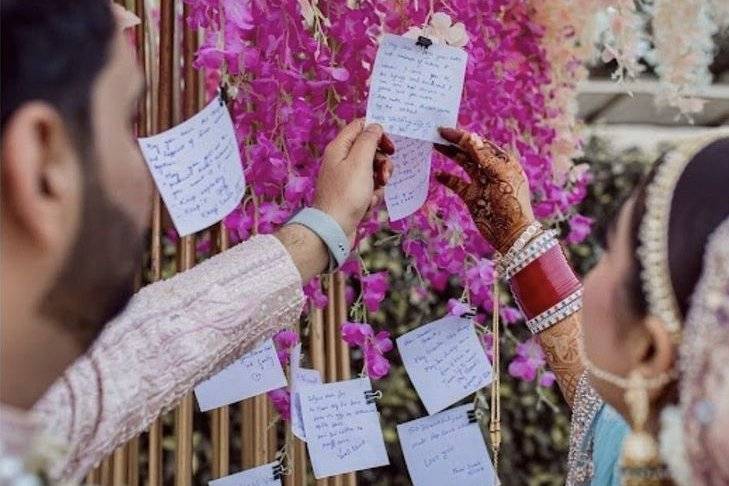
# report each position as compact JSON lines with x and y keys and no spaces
{"x":498,"y":194}
{"x":561,"y":344}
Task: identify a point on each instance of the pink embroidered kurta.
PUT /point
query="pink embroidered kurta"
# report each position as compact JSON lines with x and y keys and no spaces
{"x":172,"y":335}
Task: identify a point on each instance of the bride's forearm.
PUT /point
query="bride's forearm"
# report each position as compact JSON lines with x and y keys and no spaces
{"x":560,"y":344}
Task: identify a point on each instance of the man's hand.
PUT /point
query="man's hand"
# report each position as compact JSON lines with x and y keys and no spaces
{"x":352,"y":175}
{"x":498,"y":194}
{"x":351,"y":179}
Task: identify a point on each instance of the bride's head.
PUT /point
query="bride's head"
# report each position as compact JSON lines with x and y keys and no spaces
{"x":637,"y":298}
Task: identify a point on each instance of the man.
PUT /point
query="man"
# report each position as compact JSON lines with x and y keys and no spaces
{"x":75,"y":204}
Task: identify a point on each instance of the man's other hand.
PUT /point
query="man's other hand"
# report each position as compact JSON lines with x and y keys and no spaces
{"x":353,"y":173}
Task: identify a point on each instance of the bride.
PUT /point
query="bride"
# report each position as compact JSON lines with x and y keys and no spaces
{"x":645,"y":364}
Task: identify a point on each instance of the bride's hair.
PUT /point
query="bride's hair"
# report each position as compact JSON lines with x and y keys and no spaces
{"x":700,"y":203}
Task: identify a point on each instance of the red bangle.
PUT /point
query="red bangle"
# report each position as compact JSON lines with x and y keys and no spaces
{"x":544,"y":283}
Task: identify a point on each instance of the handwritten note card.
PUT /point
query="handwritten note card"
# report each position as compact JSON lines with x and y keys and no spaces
{"x":446,"y":449}
{"x":342,"y":430}
{"x":415,"y":90}
{"x":254,"y":373}
{"x":196,"y":166}
{"x":445,"y":361}
{"x":258,"y":476}
{"x":408,"y":187}
{"x":300,"y":378}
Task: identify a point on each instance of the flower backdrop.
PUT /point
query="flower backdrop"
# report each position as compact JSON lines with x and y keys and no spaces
{"x":297,"y":70}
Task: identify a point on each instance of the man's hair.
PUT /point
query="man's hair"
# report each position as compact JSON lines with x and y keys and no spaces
{"x":53,"y":51}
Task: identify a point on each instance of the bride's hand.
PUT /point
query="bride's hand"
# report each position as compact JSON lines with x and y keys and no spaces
{"x":498,"y":194}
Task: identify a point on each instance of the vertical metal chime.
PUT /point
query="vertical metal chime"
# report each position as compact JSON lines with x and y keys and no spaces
{"x":186,"y":245}
{"x":163,"y":122}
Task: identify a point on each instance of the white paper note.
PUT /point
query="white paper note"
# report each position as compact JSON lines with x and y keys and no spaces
{"x":342,"y":430}
{"x":258,"y":476}
{"x":197,"y":168}
{"x":300,"y":378}
{"x":254,"y":373}
{"x":445,"y":361}
{"x":407,"y":189}
{"x":415,"y":90}
{"x":445,"y":449}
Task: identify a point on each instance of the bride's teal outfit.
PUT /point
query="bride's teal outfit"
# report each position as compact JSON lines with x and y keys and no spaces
{"x":596,"y":440}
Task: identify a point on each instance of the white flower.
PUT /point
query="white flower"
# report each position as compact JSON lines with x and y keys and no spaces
{"x":457,"y":35}
{"x":671,"y":442}
{"x":441,"y":30}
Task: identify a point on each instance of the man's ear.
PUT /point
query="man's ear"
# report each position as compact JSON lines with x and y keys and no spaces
{"x":41,"y":176}
{"x":652,"y":349}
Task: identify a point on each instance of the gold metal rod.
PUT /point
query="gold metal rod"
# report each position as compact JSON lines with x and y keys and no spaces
{"x":133,"y":462}
{"x":94,"y":477}
{"x":183,"y":437}
{"x":272,"y":431}
{"x":260,"y":434}
{"x":154,"y":469}
{"x":343,"y":363}
{"x":220,"y":418}
{"x":330,"y":334}
{"x":105,"y":479}
{"x":144,"y":128}
{"x":223,"y":458}
{"x":119,"y":471}
{"x":330,"y":338}
{"x":316,"y":340}
{"x":317,"y":350}
{"x":300,"y":476}
{"x":248,"y":446}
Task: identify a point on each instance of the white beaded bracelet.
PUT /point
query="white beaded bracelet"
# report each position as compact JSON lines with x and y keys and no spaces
{"x":536,"y":248}
{"x":568,"y":306}
{"x":525,"y":237}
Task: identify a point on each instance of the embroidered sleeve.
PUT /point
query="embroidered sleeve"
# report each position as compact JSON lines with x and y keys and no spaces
{"x":173,"y":334}
{"x":587,"y":404}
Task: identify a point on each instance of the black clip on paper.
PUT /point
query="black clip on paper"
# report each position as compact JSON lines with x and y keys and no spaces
{"x":278,"y":471}
{"x":469,"y":314}
{"x":423,"y":42}
{"x":472,"y":417}
{"x":372,"y":396}
{"x":223,"y":96}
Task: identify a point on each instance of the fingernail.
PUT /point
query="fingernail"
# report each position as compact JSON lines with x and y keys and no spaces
{"x":374,"y":127}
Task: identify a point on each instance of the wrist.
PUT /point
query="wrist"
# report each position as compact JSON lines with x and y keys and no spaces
{"x":328,"y":230}
{"x":512,"y":237}
{"x":308,"y":252}
{"x":347,"y":222}
{"x":543,"y":284}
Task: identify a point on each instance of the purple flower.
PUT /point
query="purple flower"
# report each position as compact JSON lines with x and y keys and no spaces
{"x":373,"y":346}
{"x":510,"y":315}
{"x":317,"y":298}
{"x":547,"y":379}
{"x":284,"y":341}
{"x":374,"y":288}
{"x":281,"y":400}
{"x":487,"y":341}
{"x":579,"y":228}
{"x":356,"y":334}
{"x":529,"y":359}
{"x":377,"y":365}
{"x":457,"y":308}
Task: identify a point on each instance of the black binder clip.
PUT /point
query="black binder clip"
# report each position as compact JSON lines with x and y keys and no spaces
{"x":372,"y":396}
{"x":472,"y":416}
{"x":278,"y":471}
{"x":423,"y":42}
{"x":469,"y":314}
{"x":223,"y":96}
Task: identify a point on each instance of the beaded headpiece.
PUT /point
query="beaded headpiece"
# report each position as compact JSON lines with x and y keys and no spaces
{"x":653,"y":232}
